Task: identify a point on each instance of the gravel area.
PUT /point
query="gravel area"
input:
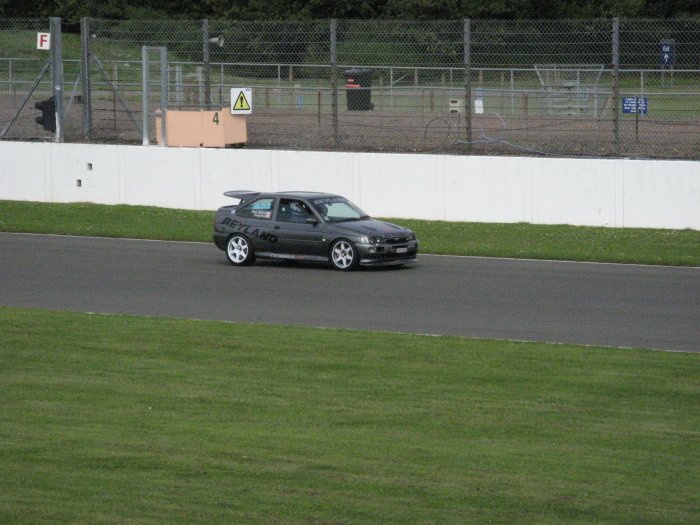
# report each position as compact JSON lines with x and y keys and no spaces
{"x":397,"y":131}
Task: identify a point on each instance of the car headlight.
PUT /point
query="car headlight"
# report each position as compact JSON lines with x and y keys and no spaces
{"x":411,"y":236}
{"x":371,"y":240}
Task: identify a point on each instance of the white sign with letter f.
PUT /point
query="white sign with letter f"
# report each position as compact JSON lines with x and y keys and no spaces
{"x":43,"y":41}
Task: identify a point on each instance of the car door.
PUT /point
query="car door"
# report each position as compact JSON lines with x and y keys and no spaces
{"x":297,"y":236}
{"x":255,"y":221}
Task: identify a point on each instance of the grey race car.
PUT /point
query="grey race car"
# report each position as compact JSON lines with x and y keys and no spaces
{"x":307,"y":226}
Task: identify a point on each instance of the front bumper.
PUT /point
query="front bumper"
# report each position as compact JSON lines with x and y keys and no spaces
{"x":387,"y":254}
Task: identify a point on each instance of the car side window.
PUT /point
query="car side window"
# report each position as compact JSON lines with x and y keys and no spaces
{"x":291,"y":210}
{"x":260,"y":209}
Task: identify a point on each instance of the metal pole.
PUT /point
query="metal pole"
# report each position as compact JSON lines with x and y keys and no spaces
{"x":334,"y":82}
{"x":638,"y":110}
{"x":12,"y":86}
{"x":163,"y":94}
{"x":115,"y":82}
{"x":178,"y":85}
{"x":468,"y":82}
{"x":512,"y":91}
{"x":85,"y":76}
{"x":145,"y":92}
{"x":616,"y":83}
{"x":391,"y":86}
{"x":57,"y":74}
{"x":205,"y":54}
{"x":200,"y":85}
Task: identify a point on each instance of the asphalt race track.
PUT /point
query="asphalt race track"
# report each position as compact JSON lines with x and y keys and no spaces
{"x":600,"y":304}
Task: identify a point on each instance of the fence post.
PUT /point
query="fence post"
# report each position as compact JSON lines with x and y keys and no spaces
{"x":145,"y":92}
{"x":205,"y":58}
{"x":85,"y":76}
{"x":57,"y":75}
{"x":9,"y":79}
{"x":616,"y":83}
{"x":468,"y":82}
{"x":164,"y":81}
{"x":115,"y":83}
{"x":334,"y":82}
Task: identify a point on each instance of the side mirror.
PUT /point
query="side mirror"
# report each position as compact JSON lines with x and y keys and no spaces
{"x":312,"y":220}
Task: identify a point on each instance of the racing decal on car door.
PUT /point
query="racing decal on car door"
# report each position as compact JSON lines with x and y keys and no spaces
{"x":251,"y":231}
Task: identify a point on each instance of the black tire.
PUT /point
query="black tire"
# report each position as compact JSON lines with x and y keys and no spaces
{"x":239,"y":250}
{"x":344,"y":256}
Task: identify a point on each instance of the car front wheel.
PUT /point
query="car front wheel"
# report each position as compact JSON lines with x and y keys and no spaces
{"x":239,"y":250}
{"x":344,"y":255}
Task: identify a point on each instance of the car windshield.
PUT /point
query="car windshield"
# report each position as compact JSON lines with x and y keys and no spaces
{"x":338,"y":209}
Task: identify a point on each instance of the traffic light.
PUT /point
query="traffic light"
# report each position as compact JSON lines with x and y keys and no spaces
{"x":48,"y":114}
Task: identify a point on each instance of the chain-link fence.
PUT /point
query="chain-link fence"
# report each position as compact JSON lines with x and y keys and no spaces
{"x":557,"y":87}
{"x":25,"y":79}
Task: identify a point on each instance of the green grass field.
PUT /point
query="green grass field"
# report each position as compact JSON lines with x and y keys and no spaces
{"x":628,"y":245}
{"x":111,"y":419}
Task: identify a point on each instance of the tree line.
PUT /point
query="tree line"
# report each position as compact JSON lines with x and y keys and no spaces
{"x":73,"y":10}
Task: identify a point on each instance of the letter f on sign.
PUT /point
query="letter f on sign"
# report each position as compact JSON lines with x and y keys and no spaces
{"x":43,"y":41}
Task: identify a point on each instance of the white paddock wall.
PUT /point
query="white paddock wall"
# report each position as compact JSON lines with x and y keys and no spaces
{"x":594,"y":192}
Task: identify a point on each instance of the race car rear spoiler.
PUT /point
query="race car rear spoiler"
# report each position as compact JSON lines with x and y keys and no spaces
{"x":241,"y":194}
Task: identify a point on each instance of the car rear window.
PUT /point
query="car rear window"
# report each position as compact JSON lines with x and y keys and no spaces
{"x":260,"y":209}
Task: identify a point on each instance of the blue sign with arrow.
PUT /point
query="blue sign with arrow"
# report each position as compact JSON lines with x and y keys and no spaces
{"x":667,"y":55}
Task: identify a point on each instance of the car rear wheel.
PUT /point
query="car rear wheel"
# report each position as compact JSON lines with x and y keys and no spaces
{"x":239,"y":250}
{"x":344,"y":255}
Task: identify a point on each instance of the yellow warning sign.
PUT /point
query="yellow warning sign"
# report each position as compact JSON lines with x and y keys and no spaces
{"x":241,"y":101}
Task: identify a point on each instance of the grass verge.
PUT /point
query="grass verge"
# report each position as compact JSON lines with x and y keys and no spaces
{"x":621,"y":245}
{"x":125,"y":419}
